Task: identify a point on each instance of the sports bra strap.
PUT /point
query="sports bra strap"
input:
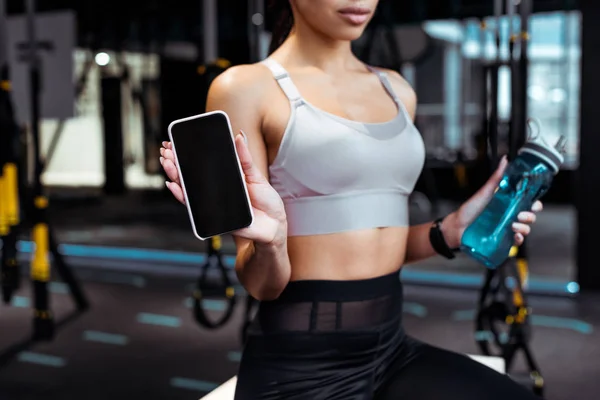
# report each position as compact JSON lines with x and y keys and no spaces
{"x":283,"y":79}
{"x":386,"y":84}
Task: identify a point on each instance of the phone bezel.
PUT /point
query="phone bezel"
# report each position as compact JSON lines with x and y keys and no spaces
{"x":182,"y":181}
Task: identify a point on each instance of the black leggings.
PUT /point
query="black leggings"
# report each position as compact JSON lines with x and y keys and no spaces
{"x":343,"y":340}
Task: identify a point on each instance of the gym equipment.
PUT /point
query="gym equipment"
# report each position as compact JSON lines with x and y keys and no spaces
{"x":502,"y":326}
{"x":210,"y":31}
{"x":117,"y":148}
{"x":42,"y":233}
{"x":9,"y":189}
{"x":502,"y":318}
{"x":119,"y":152}
{"x":148,"y":97}
{"x":205,"y":290}
{"x":36,"y":208}
{"x":460,"y":172}
{"x":114,"y":163}
{"x":79,"y":88}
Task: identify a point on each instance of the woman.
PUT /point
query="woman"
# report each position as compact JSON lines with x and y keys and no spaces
{"x":330,"y":155}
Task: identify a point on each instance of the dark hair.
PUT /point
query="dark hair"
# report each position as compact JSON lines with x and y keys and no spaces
{"x":284,"y":20}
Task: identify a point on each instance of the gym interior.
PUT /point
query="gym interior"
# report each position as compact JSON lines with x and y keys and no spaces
{"x":101,"y":273}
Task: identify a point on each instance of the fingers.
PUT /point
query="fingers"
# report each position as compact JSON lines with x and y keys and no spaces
{"x":522,"y":229}
{"x":167,"y":153}
{"x":519,"y":239}
{"x":170,"y":169}
{"x":527,"y":217}
{"x":252,"y":173}
{"x":177,"y":191}
{"x":167,"y":160}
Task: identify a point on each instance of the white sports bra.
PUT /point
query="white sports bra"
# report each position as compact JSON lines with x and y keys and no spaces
{"x":337,"y":175}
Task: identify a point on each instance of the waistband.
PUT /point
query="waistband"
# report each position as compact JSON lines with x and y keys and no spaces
{"x":342,"y":291}
{"x":326,"y":306}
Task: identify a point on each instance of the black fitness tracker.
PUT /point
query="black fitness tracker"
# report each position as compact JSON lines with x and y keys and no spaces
{"x":438,"y":242}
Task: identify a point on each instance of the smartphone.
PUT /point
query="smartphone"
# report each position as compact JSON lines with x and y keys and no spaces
{"x":216,"y":195}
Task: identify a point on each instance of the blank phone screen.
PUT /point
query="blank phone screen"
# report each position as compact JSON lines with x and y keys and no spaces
{"x":211,"y":175}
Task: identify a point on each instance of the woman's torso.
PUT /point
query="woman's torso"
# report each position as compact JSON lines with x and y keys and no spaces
{"x":360,"y":96}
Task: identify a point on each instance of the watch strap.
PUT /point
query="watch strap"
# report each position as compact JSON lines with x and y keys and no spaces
{"x":438,"y":242}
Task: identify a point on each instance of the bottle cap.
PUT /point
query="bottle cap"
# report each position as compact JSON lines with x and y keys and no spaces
{"x":538,"y":146}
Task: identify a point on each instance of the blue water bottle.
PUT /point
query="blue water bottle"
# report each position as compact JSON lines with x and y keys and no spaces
{"x":526,"y":179}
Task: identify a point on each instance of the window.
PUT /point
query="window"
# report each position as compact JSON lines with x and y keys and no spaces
{"x":553,"y":79}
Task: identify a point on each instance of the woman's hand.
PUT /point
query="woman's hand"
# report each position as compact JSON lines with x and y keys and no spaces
{"x":269,"y":225}
{"x":457,"y":222}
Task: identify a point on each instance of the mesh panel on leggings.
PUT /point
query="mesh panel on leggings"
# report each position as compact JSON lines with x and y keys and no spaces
{"x":285,"y":317}
{"x":362,"y":314}
{"x":324,"y":316}
{"x":328,"y":316}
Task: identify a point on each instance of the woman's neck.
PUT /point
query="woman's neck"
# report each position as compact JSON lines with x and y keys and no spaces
{"x":305,"y":47}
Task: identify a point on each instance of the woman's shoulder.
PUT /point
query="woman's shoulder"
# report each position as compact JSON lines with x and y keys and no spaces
{"x":244,"y":80}
{"x":240,"y":91}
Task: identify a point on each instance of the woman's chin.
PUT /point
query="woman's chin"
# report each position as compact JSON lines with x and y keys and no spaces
{"x":350,"y":34}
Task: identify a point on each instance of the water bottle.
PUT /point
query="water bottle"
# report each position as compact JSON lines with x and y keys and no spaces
{"x":526,"y":179}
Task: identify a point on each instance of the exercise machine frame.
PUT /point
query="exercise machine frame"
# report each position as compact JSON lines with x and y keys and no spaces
{"x":36,"y":205}
{"x":10,"y":274}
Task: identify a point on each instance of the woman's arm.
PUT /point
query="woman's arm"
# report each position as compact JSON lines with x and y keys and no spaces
{"x":419,"y":246}
{"x":262,"y":268}
{"x":453,"y":226}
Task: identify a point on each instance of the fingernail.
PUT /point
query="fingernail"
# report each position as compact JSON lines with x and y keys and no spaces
{"x":167,"y":184}
{"x":164,"y":144}
{"x":244,"y":136}
{"x":162,"y":151}
{"x":161,"y":160}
